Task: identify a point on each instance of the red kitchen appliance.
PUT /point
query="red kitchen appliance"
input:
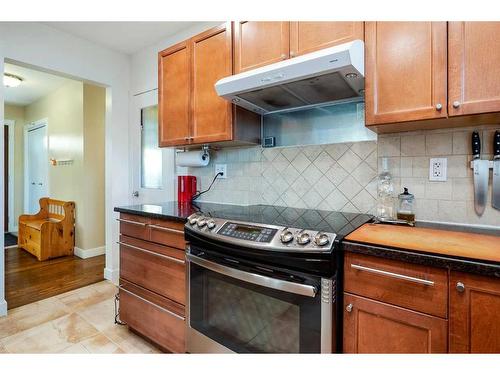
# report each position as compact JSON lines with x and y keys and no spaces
{"x":186,"y":188}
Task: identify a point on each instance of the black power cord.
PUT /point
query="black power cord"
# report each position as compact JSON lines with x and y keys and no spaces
{"x":197,"y":195}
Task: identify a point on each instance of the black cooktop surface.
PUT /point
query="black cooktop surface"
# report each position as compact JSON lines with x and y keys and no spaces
{"x":341,"y":223}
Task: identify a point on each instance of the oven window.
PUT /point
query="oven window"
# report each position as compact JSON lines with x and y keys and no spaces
{"x":247,"y":318}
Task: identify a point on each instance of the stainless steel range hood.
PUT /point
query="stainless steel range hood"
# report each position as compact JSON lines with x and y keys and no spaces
{"x":322,"y":77}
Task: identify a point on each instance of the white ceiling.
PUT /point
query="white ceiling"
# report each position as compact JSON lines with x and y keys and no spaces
{"x":34,"y":86}
{"x":126,"y":37}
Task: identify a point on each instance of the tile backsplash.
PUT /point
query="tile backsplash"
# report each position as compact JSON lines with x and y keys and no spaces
{"x":342,"y":176}
{"x":449,"y":201}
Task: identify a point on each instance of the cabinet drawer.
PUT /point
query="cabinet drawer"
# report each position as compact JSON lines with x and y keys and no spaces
{"x":134,"y":226}
{"x":155,"y":267}
{"x":416,"y":287}
{"x":153,"y":317}
{"x":169,"y":233}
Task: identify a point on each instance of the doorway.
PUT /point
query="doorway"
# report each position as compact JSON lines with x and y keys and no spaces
{"x":36,"y":157}
{"x":6,"y":177}
{"x":58,"y":147}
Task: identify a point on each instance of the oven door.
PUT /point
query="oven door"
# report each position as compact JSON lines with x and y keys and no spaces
{"x":230,"y":310}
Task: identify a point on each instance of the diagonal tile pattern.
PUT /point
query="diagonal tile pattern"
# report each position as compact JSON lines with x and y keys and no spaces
{"x":79,"y":321}
{"x":342,"y":176}
{"x":330,"y":177}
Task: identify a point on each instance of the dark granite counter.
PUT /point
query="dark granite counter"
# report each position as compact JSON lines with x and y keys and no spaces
{"x":341,"y":223}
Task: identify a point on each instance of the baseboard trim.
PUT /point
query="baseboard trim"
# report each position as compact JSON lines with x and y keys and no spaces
{"x":89,"y":253}
{"x":112,"y":275}
{"x":3,"y":307}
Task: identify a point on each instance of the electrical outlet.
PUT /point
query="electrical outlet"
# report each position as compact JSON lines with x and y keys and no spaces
{"x":437,"y":169}
{"x":221,"y":168}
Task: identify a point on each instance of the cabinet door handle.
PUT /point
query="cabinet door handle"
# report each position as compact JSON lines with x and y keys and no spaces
{"x":177,"y":316}
{"x":456,"y":104}
{"x":393,"y":275}
{"x":283,"y":56}
{"x":176,"y":231}
{"x":172,"y":259}
{"x":439,"y":106}
{"x":460,"y":287}
{"x":132,"y":222}
{"x":348,"y":308}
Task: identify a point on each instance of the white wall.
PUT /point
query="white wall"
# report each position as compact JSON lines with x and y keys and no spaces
{"x":144,"y":66}
{"x":43,"y":47}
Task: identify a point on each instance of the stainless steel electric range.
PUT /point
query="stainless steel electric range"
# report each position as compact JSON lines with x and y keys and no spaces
{"x":264,"y":280}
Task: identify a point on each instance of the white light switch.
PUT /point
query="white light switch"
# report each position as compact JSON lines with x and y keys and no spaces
{"x":438,"y":169}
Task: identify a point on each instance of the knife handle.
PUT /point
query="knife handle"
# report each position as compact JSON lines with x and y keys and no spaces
{"x":496,"y":145}
{"x":476,"y":145}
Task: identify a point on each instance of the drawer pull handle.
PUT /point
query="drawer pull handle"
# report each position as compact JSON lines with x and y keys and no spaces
{"x":132,"y":222}
{"x":393,"y":275}
{"x":153,"y":304}
{"x":176,"y":231}
{"x":151,"y":252}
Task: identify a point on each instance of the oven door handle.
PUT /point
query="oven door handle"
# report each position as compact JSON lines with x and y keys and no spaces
{"x":253,"y":278}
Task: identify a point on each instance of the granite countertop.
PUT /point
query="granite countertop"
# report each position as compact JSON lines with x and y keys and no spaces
{"x":341,"y":223}
{"x":467,"y":249}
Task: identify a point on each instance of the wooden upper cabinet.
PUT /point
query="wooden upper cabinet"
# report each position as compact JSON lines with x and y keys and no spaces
{"x":260,"y":43}
{"x":308,"y":37}
{"x":474,"y":313}
{"x":212,"y":60}
{"x":375,"y":327}
{"x":406,"y":70}
{"x":474,"y":67}
{"x":173,"y":95}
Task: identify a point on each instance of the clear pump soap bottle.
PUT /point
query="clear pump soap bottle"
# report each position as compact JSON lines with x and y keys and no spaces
{"x":385,"y":190}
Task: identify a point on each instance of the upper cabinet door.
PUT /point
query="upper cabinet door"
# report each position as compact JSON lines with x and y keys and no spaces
{"x":212,"y":60}
{"x":307,"y":37}
{"x":260,"y":43}
{"x":173,"y":95}
{"x":406,"y":69}
{"x":474,"y":67}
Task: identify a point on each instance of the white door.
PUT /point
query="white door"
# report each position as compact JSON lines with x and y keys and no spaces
{"x":36,"y":167}
{"x":153,"y":179}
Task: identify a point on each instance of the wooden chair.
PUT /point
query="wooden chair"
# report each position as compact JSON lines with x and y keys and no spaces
{"x":51,"y":232}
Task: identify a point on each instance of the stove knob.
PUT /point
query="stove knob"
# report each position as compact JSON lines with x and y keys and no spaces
{"x":286,"y":236}
{"x":201,"y":222}
{"x":210,"y":224}
{"x":303,"y":238}
{"x":193,"y":220}
{"x":321,"y":239}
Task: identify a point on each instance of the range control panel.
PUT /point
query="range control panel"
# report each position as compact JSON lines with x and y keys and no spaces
{"x":259,"y":236}
{"x":247,"y":232}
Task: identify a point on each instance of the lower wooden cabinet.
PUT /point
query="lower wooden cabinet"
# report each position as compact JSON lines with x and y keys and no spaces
{"x":153,"y":280}
{"x":375,"y":327}
{"x":474,"y":313}
{"x":388,"y":310}
{"x":157,"y":318}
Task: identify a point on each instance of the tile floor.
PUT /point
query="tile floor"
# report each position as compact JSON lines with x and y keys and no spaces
{"x":79,"y":321}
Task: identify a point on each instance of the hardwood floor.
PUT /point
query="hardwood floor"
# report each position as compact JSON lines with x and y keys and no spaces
{"x":27,"y":280}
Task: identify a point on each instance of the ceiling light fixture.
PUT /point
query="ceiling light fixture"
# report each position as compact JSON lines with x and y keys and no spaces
{"x":11,"y":80}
